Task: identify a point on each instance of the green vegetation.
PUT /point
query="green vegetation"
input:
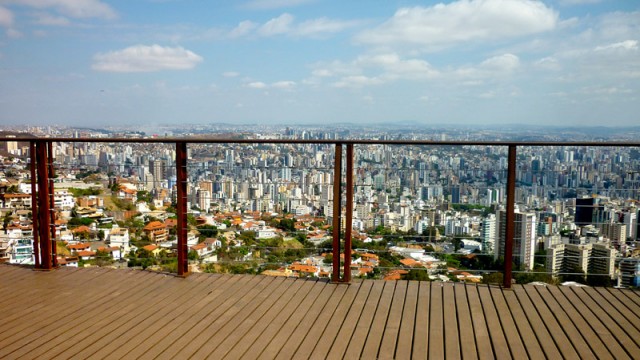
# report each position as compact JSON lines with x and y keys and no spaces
{"x":85,"y":192}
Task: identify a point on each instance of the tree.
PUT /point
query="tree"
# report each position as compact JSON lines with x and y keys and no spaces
{"x":192,"y":255}
{"x":101,"y":235}
{"x":421,"y":275}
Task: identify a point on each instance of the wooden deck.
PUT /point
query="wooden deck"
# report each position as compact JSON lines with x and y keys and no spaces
{"x":114,"y":314}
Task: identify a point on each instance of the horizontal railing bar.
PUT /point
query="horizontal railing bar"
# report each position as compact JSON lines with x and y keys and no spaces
{"x":322,"y":141}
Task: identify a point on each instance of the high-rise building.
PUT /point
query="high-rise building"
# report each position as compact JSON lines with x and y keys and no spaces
{"x":630,"y":272}
{"x":524,"y":242}
{"x":588,"y":211}
{"x":588,"y":258}
{"x":489,"y":234}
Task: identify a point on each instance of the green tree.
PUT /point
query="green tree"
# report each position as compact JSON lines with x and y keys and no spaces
{"x":421,"y":275}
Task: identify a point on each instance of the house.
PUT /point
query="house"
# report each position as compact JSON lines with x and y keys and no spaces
{"x":212,"y":244}
{"x":153,"y":249}
{"x":86,"y":254}
{"x":156,"y":231}
{"x":79,"y":247}
{"x":200,"y":249}
{"x":119,"y":237}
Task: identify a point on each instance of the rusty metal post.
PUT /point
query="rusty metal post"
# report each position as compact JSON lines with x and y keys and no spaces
{"x":44,"y":218}
{"x":337,"y":210}
{"x":34,"y":204}
{"x":52,"y":209}
{"x":181,"y":206}
{"x":348,"y":225}
{"x":510,"y":231}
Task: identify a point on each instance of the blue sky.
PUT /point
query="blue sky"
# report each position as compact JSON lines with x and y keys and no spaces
{"x":99,"y":63}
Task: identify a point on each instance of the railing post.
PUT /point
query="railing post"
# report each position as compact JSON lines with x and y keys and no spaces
{"x":34,"y":204}
{"x":510,"y":230}
{"x":52,"y":210}
{"x":181,"y":207}
{"x":337,"y":209}
{"x":44,"y":208}
{"x":348,"y":225}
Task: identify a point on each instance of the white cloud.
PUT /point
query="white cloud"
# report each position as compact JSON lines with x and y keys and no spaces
{"x":243,"y":28}
{"x":501,"y":63}
{"x":283,"y":84}
{"x":277,"y":26}
{"x":142,"y":58}
{"x":462,"y":21}
{"x":548,"y":63}
{"x":43,"y":18}
{"x":257,"y":85}
{"x":6,"y":17}
{"x":285,"y":24}
{"x":494,"y":67}
{"x":274,"y":4}
{"x":622,"y":45}
{"x":357,"y":81}
{"x":394,"y":67}
{"x":322,"y":26}
{"x":81,"y":9}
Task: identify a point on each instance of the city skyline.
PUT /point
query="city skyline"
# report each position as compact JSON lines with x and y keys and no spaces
{"x":98,"y":63}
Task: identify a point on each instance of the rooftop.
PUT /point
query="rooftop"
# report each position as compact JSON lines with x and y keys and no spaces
{"x":104,"y":313}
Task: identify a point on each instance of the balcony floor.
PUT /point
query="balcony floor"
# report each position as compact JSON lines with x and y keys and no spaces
{"x":102,"y":313}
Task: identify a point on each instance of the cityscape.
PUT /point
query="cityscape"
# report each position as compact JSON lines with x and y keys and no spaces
{"x":420,"y":212}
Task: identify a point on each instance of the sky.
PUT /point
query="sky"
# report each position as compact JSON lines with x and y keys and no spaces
{"x":99,"y":63}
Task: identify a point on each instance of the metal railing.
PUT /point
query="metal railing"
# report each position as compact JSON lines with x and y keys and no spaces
{"x":42,"y":169}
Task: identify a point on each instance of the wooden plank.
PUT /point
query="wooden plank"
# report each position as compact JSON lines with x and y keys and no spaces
{"x":155,"y":316}
{"x":509,"y":328}
{"x":622,"y":303}
{"x":529,"y":339}
{"x":468,"y":348}
{"x":239,"y":348}
{"x":634,"y":294}
{"x":93,"y":334}
{"x":543,"y":335}
{"x":496,"y":332}
{"x":225,"y":342}
{"x":567,"y":326}
{"x":258,"y":341}
{"x":325,"y":303}
{"x":592,"y":339}
{"x":137,"y":344}
{"x":394,"y":321}
{"x":553,"y":327}
{"x":328,"y":324}
{"x":341,"y":327}
{"x":623,"y":296}
{"x":436,"y":323}
{"x":596,"y":321}
{"x":53,"y":329}
{"x":284,"y":332}
{"x":233,"y":320}
{"x":225,"y":297}
{"x":452,"y":337}
{"x":483,"y":340}
{"x":351,"y":348}
{"x":382,"y":321}
{"x":41,"y":298}
{"x":198,"y":347}
{"x":407,"y":323}
{"x":625,"y":333}
{"x":421,"y":344}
